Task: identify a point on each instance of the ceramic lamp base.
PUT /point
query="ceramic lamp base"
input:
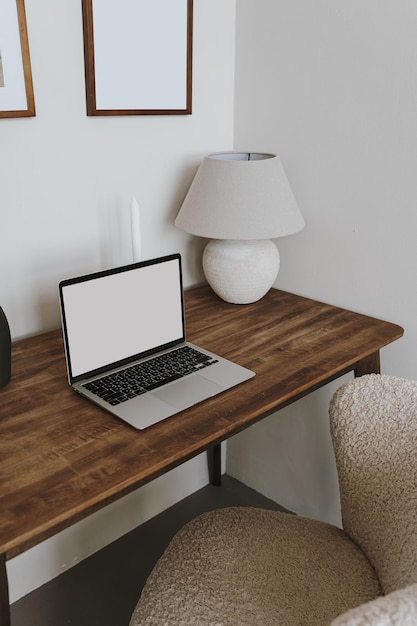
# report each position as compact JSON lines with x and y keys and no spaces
{"x":241,"y":272}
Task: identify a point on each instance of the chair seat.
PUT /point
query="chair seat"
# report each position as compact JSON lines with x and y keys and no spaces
{"x":247,"y":566}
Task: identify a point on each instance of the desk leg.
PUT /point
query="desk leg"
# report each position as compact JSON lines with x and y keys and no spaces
{"x":4,"y":594}
{"x":215,"y":465}
{"x":370,"y":365}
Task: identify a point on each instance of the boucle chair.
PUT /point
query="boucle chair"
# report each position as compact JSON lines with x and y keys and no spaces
{"x":255,"y":567}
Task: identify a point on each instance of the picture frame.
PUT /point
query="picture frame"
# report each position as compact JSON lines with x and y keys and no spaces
{"x":16,"y":87}
{"x":138,"y":56}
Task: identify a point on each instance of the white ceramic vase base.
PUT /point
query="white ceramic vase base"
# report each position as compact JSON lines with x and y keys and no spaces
{"x":241,"y":272}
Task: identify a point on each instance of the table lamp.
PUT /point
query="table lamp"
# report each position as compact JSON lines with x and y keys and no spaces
{"x":240,"y":201}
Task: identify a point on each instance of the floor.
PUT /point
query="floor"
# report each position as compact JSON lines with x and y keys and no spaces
{"x":103,"y":589}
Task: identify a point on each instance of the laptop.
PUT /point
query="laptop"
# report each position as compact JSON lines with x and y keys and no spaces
{"x":125,"y":343}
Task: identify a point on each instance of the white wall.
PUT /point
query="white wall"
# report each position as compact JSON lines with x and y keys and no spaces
{"x":66,"y":182}
{"x":332,"y":87}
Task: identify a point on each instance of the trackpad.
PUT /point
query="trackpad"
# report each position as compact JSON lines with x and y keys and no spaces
{"x":187,"y":391}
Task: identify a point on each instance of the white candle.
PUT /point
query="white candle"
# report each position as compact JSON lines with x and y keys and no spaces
{"x":136,"y":235}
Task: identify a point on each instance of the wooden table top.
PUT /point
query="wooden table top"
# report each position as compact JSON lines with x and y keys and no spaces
{"x":61,"y":457}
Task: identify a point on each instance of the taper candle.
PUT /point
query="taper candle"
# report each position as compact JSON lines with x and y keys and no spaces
{"x":136,"y":234}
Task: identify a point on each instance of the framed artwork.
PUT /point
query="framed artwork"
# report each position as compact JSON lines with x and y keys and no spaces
{"x":16,"y":88}
{"x":138,"y":56}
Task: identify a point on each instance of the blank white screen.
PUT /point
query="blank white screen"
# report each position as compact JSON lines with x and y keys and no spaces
{"x":114,"y":317}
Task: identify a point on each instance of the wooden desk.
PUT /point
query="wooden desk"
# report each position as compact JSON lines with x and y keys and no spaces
{"x":61,"y":458}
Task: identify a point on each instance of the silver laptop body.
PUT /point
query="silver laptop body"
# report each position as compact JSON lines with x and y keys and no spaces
{"x":126,"y":320}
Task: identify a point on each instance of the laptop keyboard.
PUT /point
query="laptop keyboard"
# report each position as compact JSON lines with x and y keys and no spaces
{"x":148,"y":375}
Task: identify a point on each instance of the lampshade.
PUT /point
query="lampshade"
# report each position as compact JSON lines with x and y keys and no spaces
{"x":240,"y":196}
{"x":240,"y":200}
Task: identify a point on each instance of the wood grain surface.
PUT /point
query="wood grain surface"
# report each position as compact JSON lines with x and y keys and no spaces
{"x":61,"y":457}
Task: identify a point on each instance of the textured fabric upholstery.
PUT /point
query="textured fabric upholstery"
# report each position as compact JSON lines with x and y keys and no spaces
{"x":374,"y":428}
{"x":398,"y":608}
{"x":253,"y":567}
{"x":246,"y":566}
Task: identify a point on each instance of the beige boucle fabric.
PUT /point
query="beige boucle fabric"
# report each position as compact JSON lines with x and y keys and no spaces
{"x":374,"y":429}
{"x":398,"y":608}
{"x":254,"y":567}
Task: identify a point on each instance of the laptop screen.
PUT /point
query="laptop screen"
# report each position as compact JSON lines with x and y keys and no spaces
{"x":110,"y":318}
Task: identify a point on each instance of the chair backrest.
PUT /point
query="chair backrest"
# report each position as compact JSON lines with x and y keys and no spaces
{"x":373,"y":421}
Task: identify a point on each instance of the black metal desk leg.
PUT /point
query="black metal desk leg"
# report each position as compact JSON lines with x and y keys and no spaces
{"x":215,"y":465}
{"x":4,"y":593}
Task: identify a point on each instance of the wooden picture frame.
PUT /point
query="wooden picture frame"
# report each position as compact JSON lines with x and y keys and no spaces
{"x":16,"y":87}
{"x":138,"y":56}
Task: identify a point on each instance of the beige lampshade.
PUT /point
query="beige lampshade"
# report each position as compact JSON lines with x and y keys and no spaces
{"x":237,"y":195}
